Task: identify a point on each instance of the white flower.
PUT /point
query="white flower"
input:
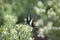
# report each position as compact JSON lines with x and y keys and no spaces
{"x":14,"y":20}
{"x":37,"y":10}
{"x":31,"y":39}
{"x":13,"y":31}
{"x":45,"y":27}
{"x":36,"y":24}
{"x":51,"y":13}
{"x":17,"y":25}
{"x":50,"y":3}
{"x":56,"y":18}
{"x":40,"y":4}
{"x":5,"y":28}
{"x":2,"y":35}
{"x":55,"y":28}
{"x":4,"y":32}
{"x":58,"y":3}
{"x":50,"y":24}
{"x":7,"y":16}
{"x":41,"y":35}
{"x":39,"y":22}
{"x":41,"y":30}
{"x":42,"y":10}
{"x":14,"y":36}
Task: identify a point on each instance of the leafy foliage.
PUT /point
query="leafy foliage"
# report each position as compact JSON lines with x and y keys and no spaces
{"x":45,"y":12}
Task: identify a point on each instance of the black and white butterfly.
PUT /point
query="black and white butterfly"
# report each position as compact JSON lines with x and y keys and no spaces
{"x":29,"y":20}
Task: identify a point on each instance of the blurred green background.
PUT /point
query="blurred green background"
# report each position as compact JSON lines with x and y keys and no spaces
{"x":46,"y":13}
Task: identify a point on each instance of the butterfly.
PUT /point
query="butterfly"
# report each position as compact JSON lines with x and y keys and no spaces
{"x":29,"y":20}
